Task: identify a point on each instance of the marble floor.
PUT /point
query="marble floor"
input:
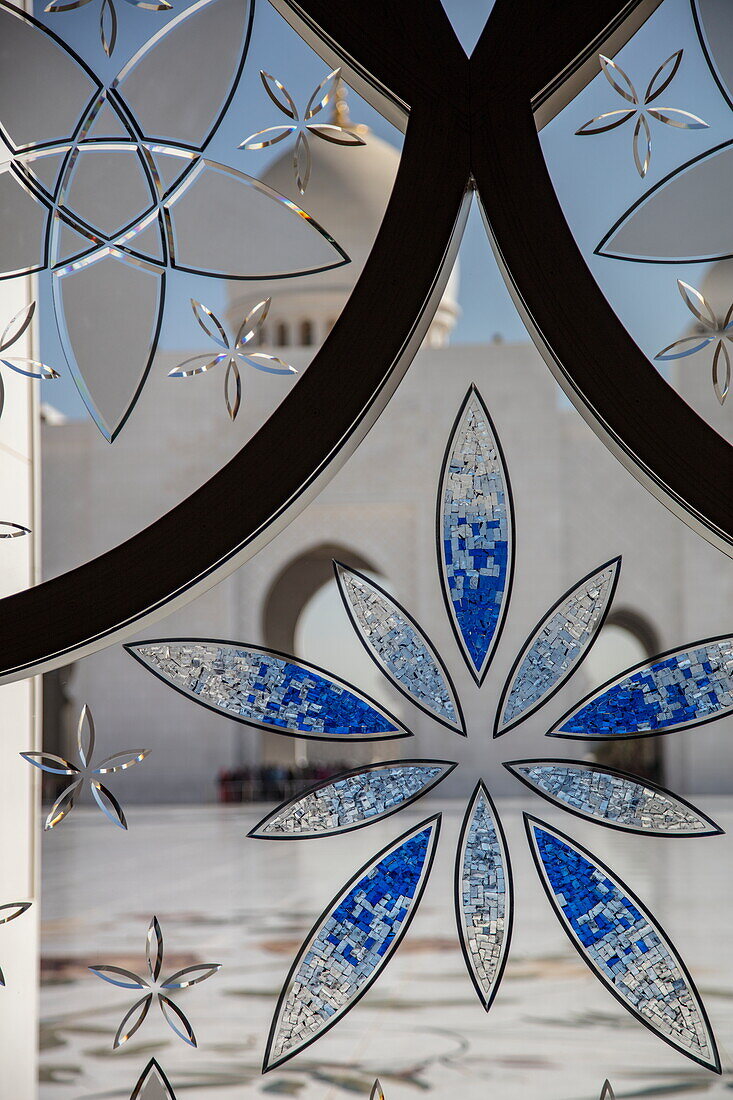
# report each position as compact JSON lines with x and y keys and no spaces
{"x":553,"y":1032}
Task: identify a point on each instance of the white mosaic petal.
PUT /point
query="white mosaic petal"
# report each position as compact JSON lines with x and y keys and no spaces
{"x":621,"y":943}
{"x":556,"y":647}
{"x":399,"y":647}
{"x":352,"y":942}
{"x":483,"y":895}
{"x":613,"y":798}
{"x":355,"y":798}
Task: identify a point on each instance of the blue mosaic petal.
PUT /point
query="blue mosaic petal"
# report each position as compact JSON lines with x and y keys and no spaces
{"x":398,"y":646}
{"x":483,"y":896}
{"x":475,"y":538}
{"x":621,"y":944}
{"x":613,"y":798}
{"x":556,"y":647}
{"x":352,"y":799}
{"x":352,"y":943}
{"x":675,"y":691}
{"x":266,"y":689}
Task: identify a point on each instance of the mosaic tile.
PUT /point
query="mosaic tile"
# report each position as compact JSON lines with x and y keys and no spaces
{"x":622,"y":801}
{"x":678,"y":690}
{"x":399,"y":647}
{"x":352,"y":944}
{"x":561,"y":639}
{"x":484,"y":897}
{"x":340,"y":804}
{"x":253,"y":685}
{"x":475,"y":538}
{"x":620,"y":942}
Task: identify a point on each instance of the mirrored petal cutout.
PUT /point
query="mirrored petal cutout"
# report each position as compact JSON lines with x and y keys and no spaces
{"x":663,"y":77}
{"x":399,"y":647}
{"x":351,"y":943}
{"x":153,"y":1084}
{"x":352,"y":799}
{"x":12,"y":530}
{"x":618,"y":79}
{"x":270,"y":364}
{"x":266,"y":689}
{"x":721,"y":372}
{"x":30,"y":368}
{"x":197,"y":364}
{"x":85,"y":736}
{"x":475,"y":534}
{"x":209,"y":323}
{"x":154,"y":948}
{"x":63,"y":805}
{"x":117,"y":975}
{"x":13,"y":909}
{"x":601,"y":124}
{"x":484,"y":897}
{"x":377,"y":1092}
{"x":253,"y":322}
{"x":613,"y":798}
{"x":108,"y":804}
{"x":191,"y":975}
{"x":621,"y":943}
{"x":49,"y":762}
{"x":108,"y":26}
{"x":693,"y":199}
{"x":177,"y":1020}
{"x":279,"y":95}
{"x":323,"y":94}
{"x":337,"y":135}
{"x":232,"y":389}
{"x":683,"y":120}
{"x":132,"y":1021}
{"x":674,"y":691}
{"x":121,"y":761}
{"x":558,"y":645}
{"x":642,"y":145}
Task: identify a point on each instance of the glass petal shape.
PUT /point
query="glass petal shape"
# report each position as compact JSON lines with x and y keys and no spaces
{"x":721,"y":372}
{"x":663,"y":77}
{"x":642,"y":142}
{"x":31,"y":368}
{"x":85,"y":736}
{"x":117,"y":975}
{"x":209,"y":323}
{"x":153,"y":1084}
{"x":399,"y":647}
{"x":323,"y":94}
{"x":13,"y":909}
{"x":680,"y":349}
{"x":109,"y":313}
{"x":621,"y":943}
{"x":712,"y":19}
{"x":677,"y":690}
{"x":17,"y":325}
{"x":484,"y":896}
{"x":601,"y":124}
{"x":694,"y":200}
{"x":266,"y":689}
{"x":177,"y":1020}
{"x":337,"y":135}
{"x":132,"y":1020}
{"x":270,"y":364}
{"x":613,"y":798}
{"x":351,"y":943}
{"x":154,"y":948}
{"x":11,"y":530}
{"x":49,"y":762}
{"x":191,"y":975}
{"x":23,"y":242}
{"x":211,"y":37}
{"x":108,"y":26}
{"x":47,"y":65}
{"x":253,"y":321}
{"x":352,"y":799}
{"x":197,"y":364}
{"x":63,"y":805}
{"x":121,"y":761}
{"x":232,"y":389}
{"x":558,"y":644}
{"x":618,"y":79}
{"x":233,"y":226}
{"x":108,"y":804}
{"x":683,"y":120}
{"x":475,"y":534}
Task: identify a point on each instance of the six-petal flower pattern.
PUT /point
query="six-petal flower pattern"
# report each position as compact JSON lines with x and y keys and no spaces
{"x":710,"y":329}
{"x":233,"y":351}
{"x":303,"y":127}
{"x":56,"y":765}
{"x":157,"y":989}
{"x":639,"y":108}
{"x":363,"y":925}
{"x":109,"y":186}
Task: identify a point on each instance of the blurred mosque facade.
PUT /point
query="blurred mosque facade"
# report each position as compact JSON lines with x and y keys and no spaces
{"x":576,"y":508}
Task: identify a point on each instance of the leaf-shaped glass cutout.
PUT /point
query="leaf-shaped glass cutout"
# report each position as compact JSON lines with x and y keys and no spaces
{"x":557,"y":646}
{"x":210,"y":323}
{"x":17,"y":325}
{"x":12,"y":530}
{"x":85,"y":736}
{"x":63,"y":805}
{"x":49,"y":762}
{"x":721,"y":372}
{"x":108,"y":804}
{"x":642,"y":143}
{"x":359,"y":932}
{"x":270,"y":364}
{"x":154,"y":948}
{"x":621,"y":943}
{"x":475,"y":534}
{"x":352,"y":799}
{"x":253,"y":322}
{"x":323,"y":94}
{"x":618,"y":79}
{"x":267,"y":689}
{"x":121,"y":761}
{"x":117,"y":975}
{"x":177,"y":1020}
{"x":132,"y":1020}
{"x":399,"y":648}
{"x":613,"y":798}
{"x":279,"y":94}
{"x":30,"y":368}
{"x":663,"y":77}
{"x":674,"y":691}
{"x":191,"y":975}
{"x":484,"y":898}
{"x":108,"y":26}
{"x":153,"y":1084}
{"x":693,"y":199}
{"x":13,"y":909}
{"x":232,"y":389}
{"x":605,"y":122}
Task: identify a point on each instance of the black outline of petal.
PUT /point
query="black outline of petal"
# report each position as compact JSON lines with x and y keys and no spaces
{"x":480,"y":676}
{"x":599,"y":250}
{"x":599,"y":691}
{"x":255,"y":832}
{"x":434,"y":823}
{"x":524,"y":649}
{"x":529,"y":821}
{"x":512,"y":765}
{"x":455,"y":698}
{"x":509,"y":894}
{"x":144,"y":1078}
{"x":339,"y":739}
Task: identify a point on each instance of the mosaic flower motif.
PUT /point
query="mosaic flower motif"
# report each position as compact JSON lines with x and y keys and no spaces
{"x":639,"y":109}
{"x":155,"y":986}
{"x":9,"y":912}
{"x":304,"y":127}
{"x":55,"y":765}
{"x":710,"y":329}
{"x":233,"y":352}
{"x":107,"y":16}
{"x":363,"y":925}
{"x":108,"y":186}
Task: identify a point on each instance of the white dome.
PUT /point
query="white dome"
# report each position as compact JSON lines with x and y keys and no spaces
{"x":347,"y":195}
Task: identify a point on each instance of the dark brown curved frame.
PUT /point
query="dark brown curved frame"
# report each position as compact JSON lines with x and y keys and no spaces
{"x":468,"y":120}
